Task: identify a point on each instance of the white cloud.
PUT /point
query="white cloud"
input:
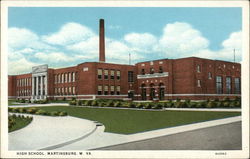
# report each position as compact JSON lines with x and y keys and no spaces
{"x":53,"y":57}
{"x":142,"y":42}
{"x":19,"y":37}
{"x":89,"y":46}
{"x":79,"y":43}
{"x":68,"y":34}
{"x":21,"y":65}
{"x":181,"y":39}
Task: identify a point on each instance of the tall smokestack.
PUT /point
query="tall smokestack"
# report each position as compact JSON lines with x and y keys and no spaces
{"x":101,"y":41}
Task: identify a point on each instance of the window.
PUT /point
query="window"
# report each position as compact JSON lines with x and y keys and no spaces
{"x":69,"y":90}
{"x":106,"y":74}
{"x":55,"y":90}
{"x":160,"y":69}
{"x":219,"y":85}
{"x":73,"y":77}
{"x":151,"y":70}
{"x":55,"y":79}
{"x":59,"y":78}
{"x":106,"y":89}
{"x":69,"y":77}
{"x":209,"y":75}
{"x":198,"y":83}
{"x":66,"y":77}
{"x":62,"y":90}
{"x":99,"y":73}
{"x":59,"y":91}
{"x":237,"y":85}
{"x":143,"y":71}
{"x":62,"y":78}
{"x":112,"y":90}
{"x":112,"y":74}
{"x":198,"y":68}
{"x":99,"y":92}
{"x":130,"y":76}
{"x":66,"y":90}
{"x":228,"y":85}
{"x":118,"y":75}
{"x":118,"y":89}
{"x":73,"y":90}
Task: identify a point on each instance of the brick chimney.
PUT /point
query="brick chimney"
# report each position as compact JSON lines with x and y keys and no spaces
{"x":101,"y":41}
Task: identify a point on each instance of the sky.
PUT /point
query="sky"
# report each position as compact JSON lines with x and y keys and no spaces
{"x":63,"y":37}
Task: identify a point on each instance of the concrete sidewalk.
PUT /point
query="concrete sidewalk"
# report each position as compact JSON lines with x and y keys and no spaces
{"x":39,"y":105}
{"x":46,"y":131}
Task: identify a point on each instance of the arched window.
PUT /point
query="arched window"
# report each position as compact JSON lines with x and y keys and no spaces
{"x":152,"y":91}
{"x":143,"y":92}
{"x":161,"y":91}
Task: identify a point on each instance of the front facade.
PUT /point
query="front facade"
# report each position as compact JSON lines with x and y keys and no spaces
{"x":185,"y":78}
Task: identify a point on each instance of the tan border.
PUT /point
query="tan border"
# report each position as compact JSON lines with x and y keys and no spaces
{"x":148,"y":3}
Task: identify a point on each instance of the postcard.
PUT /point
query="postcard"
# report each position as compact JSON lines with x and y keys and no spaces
{"x":124,"y":79}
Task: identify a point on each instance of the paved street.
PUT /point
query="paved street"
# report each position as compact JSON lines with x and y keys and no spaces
{"x":222,"y":137}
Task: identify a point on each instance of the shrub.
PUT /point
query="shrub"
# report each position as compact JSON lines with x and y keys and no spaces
{"x":117,"y":104}
{"x":178,"y":100}
{"x":41,"y":112}
{"x":22,"y":101}
{"x":43,"y":101}
{"x":13,"y":116}
{"x":158,"y":106}
{"x":211,"y":104}
{"x":238,"y":104}
{"x":79,"y":102}
{"x":32,"y":110}
{"x":88,"y":102}
{"x":169,"y":104}
{"x":226,"y":104}
{"x":147,"y":106}
{"x":139,"y":105}
{"x":94,"y":103}
{"x":232,"y":104}
{"x":226,"y":99}
{"x":185,"y":104}
{"x":237,"y":99}
{"x":201,"y":105}
{"x":219,"y":104}
{"x":187,"y":101}
{"x":22,"y":110}
{"x":10,"y":109}
{"x":54,"y":113}
{"x":178,"y":104}
{"x":101,"y":104}
{"x":63,"y":113}
{"x":110,"y":103}
{"x":73,"y":102}
{"x":216,"y":100}
{"x":131,"y":105}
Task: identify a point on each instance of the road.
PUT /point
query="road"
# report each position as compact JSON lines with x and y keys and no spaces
{"x":222,"y":137}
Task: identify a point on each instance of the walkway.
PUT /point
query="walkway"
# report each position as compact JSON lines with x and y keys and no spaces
{"x":44,"y":132}
{"x":222,"y":137}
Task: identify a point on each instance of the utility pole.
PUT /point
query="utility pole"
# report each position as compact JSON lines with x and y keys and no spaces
{"x":234,"y":55}
{"x":129,"y":59}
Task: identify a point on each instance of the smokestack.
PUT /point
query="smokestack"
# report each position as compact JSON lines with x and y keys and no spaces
{"x":101,"y":42}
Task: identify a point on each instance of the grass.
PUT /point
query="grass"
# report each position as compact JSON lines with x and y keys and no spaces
{"x":20,"y":123}
{"x":133,"y":121}
{"x":13,"y":102}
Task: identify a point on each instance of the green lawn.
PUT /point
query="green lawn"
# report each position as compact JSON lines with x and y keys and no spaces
{"x":133,"y":121}
{"x":20,"y":123}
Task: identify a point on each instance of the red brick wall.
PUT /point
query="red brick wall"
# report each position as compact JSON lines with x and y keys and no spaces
{"x":182,"y":78}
